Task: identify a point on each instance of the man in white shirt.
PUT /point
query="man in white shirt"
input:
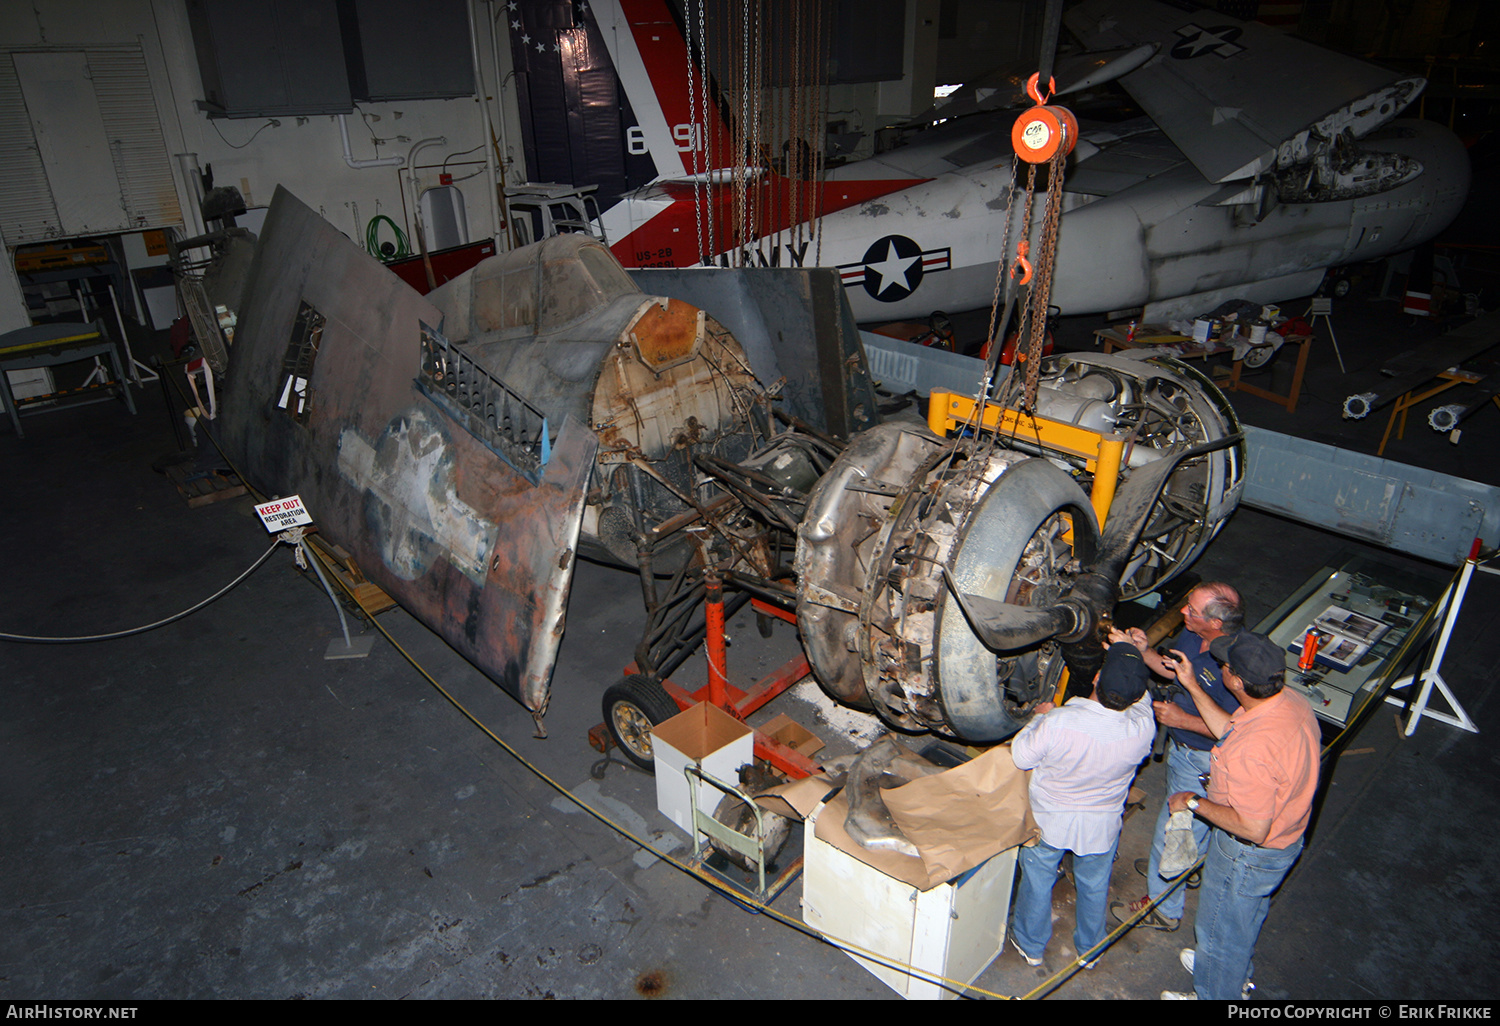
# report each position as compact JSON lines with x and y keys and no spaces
{"x":1083,"y":756}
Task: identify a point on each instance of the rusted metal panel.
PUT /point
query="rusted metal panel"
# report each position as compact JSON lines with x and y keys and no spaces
{"x":461,"y":539}
{"x":652,"y":411}
{"x":667,"y":334}
{"x":794,"y":324}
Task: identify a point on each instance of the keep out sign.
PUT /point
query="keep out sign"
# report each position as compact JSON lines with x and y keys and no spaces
{"x":281,"y":514}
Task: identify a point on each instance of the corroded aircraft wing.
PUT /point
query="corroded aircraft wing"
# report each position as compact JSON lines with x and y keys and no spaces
{"x":326,"y":399}
{"x":1236,"y":97}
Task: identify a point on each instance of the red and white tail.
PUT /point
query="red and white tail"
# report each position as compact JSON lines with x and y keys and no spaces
{"x":678,"y":121}
{"x":698,"y":209}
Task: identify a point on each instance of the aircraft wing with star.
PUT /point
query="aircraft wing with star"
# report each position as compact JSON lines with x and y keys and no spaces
{"x":1236,"y":97}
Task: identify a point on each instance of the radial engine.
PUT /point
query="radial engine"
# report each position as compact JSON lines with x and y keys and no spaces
{"x":946,"y":583}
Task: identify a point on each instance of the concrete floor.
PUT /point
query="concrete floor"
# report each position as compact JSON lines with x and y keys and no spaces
{"x":213,"y":810}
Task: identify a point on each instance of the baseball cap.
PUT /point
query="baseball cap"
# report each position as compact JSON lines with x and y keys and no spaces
{"x":1254,"y":658}
{"x":1124,"y":673}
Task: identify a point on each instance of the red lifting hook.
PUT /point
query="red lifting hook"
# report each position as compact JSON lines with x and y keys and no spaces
{"x":1043,"y":132}
{"x":1031,"y":89}
{"x":1022,"y":250}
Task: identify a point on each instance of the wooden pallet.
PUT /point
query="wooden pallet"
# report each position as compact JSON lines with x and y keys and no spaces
{"x":369,"y":596}
{"x":201,"y":487}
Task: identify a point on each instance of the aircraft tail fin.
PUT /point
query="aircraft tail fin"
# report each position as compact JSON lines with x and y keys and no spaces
{"x":678,"y":119}
{"x":625,"y":66}
{"x":607,"y":96}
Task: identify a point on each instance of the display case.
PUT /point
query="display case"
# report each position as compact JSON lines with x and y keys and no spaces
{"x":1365,"y":611}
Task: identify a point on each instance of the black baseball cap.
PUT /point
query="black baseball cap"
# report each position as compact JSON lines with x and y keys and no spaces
{"x":1124,"y":673}
{"x":1254,"y":658}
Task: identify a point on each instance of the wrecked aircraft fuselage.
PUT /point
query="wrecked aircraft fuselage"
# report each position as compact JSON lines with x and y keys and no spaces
{"x":657,"y":380}
{"x":463,"y":447}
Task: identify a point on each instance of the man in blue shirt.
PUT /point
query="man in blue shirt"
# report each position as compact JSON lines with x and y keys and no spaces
{"x":1082,"y":757}
{"x":1212,"y":610}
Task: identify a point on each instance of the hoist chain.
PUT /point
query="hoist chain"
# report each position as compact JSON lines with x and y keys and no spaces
{"x":698,"y":187}
{"x":742,"y":151}
{"x":1026,"y":290}
{"x":708,"y":153}
{"x":1041,"y":292}
{"x":1010,"y":199}
{"x":819,"y":85}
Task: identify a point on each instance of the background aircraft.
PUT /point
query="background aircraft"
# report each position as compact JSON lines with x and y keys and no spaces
{"x":1244,"y":182}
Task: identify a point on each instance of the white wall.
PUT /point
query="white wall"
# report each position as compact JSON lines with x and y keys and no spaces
{"x":303,"y":154}
{"x":13,"y":313}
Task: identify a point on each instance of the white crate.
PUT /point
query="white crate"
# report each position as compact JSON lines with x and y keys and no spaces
{"x":953,"y":930}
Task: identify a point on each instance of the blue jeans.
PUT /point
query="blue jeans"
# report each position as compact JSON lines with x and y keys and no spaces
{"x":1183,"y":768}
{"x":1238,"y":881}
{"x":1032,"y":926}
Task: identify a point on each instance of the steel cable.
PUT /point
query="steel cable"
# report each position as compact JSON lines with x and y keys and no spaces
{"x":150,"y":626}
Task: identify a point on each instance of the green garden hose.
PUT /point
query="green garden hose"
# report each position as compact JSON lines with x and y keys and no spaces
{"x":387,"y":252}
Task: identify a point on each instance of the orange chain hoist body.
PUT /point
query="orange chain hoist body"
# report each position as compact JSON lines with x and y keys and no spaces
{"x":1041,"y":132}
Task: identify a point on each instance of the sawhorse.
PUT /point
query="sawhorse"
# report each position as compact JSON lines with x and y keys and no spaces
{"x":1432,"y":677}
{"x":1449,"y":378}
{"x":50,"y":345}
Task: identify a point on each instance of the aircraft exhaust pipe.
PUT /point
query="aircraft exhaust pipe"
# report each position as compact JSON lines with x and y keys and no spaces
{"x":1446,"y":418}
{"x":1419,"y":366}
{"x":1358,"y":407}
{"x":1006,"y":628}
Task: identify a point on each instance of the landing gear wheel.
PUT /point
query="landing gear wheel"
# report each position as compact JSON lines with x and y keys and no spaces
{"x":1257,"y":357}
{"x":631,"y":708}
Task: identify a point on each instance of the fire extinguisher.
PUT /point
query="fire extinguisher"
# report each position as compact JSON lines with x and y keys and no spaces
{"x":1309,"y":651}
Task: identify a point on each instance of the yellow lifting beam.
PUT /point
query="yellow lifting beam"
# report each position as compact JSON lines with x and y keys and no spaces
{"x":1101,"y":453}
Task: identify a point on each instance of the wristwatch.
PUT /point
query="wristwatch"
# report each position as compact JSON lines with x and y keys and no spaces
{"x":1192,"y":803}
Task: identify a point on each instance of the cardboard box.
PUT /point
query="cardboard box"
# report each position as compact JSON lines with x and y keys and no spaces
{"x":953,"y":930}
{"x":785,"y":730}
{"x":704,"y":736}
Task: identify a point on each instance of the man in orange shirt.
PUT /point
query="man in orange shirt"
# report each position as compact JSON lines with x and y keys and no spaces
{"x":1260,"y":792}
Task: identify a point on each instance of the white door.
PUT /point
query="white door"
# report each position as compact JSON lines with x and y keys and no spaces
{"x":84,"y":146}
{"x":71,"y":140}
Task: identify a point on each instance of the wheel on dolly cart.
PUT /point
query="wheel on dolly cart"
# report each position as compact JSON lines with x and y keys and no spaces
{"x":1257,"y":357}
{"x":631,"y":708}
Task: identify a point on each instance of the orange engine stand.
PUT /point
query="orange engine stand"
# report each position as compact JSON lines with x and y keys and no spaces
{"x":738,"y":702}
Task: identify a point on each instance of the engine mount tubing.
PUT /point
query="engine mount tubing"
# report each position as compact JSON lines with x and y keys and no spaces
{"x":718,"y":668}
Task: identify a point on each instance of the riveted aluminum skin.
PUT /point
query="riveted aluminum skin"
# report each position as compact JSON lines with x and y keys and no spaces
{"x":465,"y":541}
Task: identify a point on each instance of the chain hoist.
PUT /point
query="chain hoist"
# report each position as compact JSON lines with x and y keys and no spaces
{"x":1045,"y":134}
